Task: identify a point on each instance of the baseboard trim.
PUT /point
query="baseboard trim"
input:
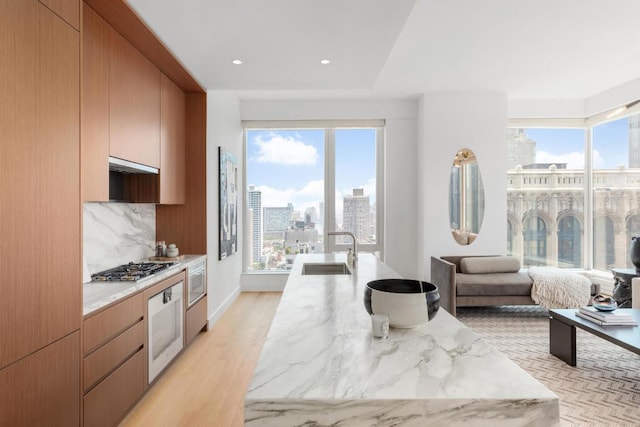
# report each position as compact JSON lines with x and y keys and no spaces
{"x":216,"y":315}
{"x":257,"y":282}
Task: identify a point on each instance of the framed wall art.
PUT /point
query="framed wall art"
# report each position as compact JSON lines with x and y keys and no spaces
{"x":228,"y":204}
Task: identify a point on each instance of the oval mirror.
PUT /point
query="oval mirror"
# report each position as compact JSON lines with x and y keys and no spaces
{"x":466,"y":197}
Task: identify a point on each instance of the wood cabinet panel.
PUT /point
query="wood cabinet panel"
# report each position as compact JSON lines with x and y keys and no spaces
{"x":120,"y":16}
{"x":102,"y":361}
{"x":112,"y":321}
{"x":166,"y":283}
{"x":172,"y":143}
{"x":39,"y":176}
{"x":95,"y":107}
{"x":184,"y":224}
{"x":43,"y":388}
{"x":196,"y":319}
{"x":109,"y":402}
{"x":69,"y":10}
{"x":134,"y":104}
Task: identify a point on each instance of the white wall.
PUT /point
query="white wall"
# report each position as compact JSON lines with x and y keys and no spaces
{"x":448,"y":122}
{"x":400,"y":168}
{"x":401,"y":203}
{"x":575,"y":108}
{"x":223,"y":129}
{"x":613,"y":98}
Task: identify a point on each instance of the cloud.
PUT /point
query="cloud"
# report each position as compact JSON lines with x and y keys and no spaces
{"x":308,"y":196}
{"x":285,"y":151}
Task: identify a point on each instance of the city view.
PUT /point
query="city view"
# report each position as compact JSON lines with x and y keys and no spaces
{"x":547,"y":176}
{"x":286,"y":197}
{"x":546,"y":180}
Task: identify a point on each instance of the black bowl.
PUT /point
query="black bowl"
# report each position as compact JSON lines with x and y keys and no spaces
{"x":408,"y":303}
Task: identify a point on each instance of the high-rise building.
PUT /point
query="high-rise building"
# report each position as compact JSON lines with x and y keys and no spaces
{"x":255,"y":204}
{"x":249,"y":248}
{"x":277,"y":219}
{"x":520,"y":149}
{"x":312,"y":214}
{"x":355,"y":214}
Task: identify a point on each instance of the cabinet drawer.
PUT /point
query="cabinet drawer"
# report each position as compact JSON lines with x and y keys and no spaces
{"x":99,"y":363}
{"x":110,"y":401}
{"x":196,"y":319}
{"x":112,"y":321}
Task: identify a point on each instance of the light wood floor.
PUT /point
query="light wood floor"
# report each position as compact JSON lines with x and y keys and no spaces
{"x":206,"y":385}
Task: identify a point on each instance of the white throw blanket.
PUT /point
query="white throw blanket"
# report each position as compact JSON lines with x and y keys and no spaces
{"x":555,"y":288}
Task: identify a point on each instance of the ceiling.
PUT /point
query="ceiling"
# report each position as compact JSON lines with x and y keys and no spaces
{"x":543,"y":49}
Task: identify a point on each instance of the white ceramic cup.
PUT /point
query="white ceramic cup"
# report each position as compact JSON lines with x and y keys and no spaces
{"x":380,"y":325}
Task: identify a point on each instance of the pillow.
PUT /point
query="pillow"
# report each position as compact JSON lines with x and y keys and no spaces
{"x":490,"y":264}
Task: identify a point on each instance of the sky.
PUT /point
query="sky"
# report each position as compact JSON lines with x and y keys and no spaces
{"x":610,"y":145}
{"x":288,"y":165}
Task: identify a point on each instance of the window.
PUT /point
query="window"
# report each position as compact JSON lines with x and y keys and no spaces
{"x":569,"y":242}
{"x":545,"y":195}
{"x":304,"y":180}
{"x":535,"y":241}
{"x":589,"y":204}
{"x":616,"y":191}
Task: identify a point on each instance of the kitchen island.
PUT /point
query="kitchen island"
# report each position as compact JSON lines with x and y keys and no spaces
{"x":320,"y":365}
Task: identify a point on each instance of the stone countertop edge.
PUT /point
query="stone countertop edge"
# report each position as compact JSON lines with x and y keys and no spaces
{"x":320,"y":364}
{"x":97,"y":295}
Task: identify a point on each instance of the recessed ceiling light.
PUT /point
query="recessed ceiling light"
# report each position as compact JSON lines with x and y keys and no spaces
{"x":236,"y":61}
{"x":325,"y":61}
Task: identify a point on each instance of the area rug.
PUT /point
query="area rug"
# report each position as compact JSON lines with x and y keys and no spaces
{"x":602,"y":390}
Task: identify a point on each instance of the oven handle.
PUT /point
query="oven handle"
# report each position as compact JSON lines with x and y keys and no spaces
{"x":166,"y":296}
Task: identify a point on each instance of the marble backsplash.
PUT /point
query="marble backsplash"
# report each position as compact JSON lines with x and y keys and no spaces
{"x":117,"y":233}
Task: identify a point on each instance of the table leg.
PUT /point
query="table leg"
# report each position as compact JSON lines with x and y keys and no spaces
{"x":562,"y":341}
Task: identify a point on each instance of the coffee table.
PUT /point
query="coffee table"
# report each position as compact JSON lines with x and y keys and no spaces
{"x":562,"y":333}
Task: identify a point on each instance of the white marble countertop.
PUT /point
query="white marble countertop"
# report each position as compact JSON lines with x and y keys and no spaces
{"x":320,"y":365}
{"x":97,"y":295}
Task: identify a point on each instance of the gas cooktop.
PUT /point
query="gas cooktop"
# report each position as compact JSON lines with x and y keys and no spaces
{"x":133,"y":271}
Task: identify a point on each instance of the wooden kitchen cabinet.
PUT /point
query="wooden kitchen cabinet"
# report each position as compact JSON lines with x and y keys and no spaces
{"x":69,"y":10}
{"x":39,"y":175}
{"x":42,"y":389}
{"x":110,"y":401}
{"x":107,"y":324}
{"x":134,"y":104}
{"x":95,"y":107}
{"x":172,"y":143}
{"x":196,"y":320}
{"x":130,"y":111}
{"x":114,"y":364}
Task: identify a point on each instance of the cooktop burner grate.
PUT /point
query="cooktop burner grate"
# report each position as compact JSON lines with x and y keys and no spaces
{"x":131,"y":272}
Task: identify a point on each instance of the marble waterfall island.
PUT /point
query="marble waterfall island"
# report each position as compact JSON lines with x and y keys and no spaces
{"x":320,"y":365}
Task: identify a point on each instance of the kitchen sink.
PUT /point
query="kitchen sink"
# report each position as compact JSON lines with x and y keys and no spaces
{"x":325,"y":268}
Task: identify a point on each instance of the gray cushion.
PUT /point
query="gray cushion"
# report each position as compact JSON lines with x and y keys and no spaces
{"x":484,"y":265}
{"x":493,"y":284}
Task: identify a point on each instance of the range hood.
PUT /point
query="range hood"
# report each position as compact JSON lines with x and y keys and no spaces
{"x":125,"y":166}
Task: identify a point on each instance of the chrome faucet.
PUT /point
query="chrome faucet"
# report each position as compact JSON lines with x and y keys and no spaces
{"x":354,"y":262}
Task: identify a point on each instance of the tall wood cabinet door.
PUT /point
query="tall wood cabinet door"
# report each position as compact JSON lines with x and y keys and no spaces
{"x":39,"y":175}
{"x":134,"y":104}
{"x":43,"y":388}
{"x":95,"y":107}
{"x":69,"y":10}
{"x":172,"y":143}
